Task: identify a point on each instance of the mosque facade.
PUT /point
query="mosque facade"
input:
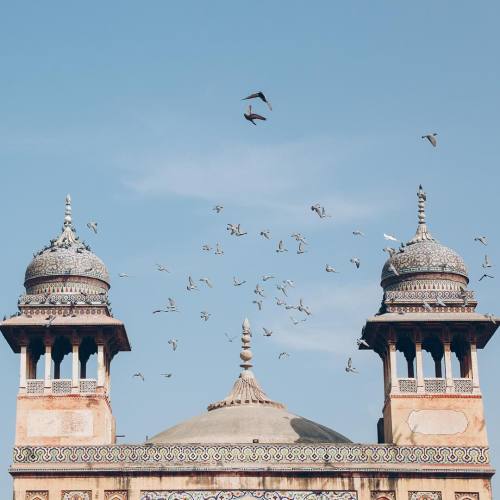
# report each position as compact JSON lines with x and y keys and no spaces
{"x":432,"y":442}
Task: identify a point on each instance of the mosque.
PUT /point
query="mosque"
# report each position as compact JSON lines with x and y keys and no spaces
{"x":432,"y":440}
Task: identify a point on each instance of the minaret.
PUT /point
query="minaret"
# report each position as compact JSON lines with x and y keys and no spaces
{"x":65,"y":312}
{"x":428,"y":312}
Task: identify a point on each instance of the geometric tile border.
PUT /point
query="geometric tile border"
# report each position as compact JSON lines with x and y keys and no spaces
{"x":383,"y":495}
{"x":466,"y":496}
{"x":247,"y":494}
{"x":251,"y":454}
{"x":115,"y":495}
{"x":424,"y":495}
{"x":76,"y":495}
{"x":37,"y":495}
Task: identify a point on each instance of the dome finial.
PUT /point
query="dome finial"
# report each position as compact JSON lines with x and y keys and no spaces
{"x":422,"y":233}
{"x":67,"y":236}
{"x":67,"y":212}
{"x":246,"y":354}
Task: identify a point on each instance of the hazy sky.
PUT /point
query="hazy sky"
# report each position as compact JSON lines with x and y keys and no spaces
{"x":134,"y":108}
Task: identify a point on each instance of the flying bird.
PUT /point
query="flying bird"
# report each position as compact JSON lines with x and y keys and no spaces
{"x":330,"y":269}
{"x":486,"y":276}
{"x":259,"y":290}
{"x":166,"y":375}
{"x":206,"y":248}
{"x":267,"y":333}
{"x":296,"y":321}
{"x":191,"y":284}
{"x":266,"y":234}
{"x":259,"y":95}
{"x":207,"y":282}
{"x":173,"y":344}
{"x":320,"y":211}
{"x":356,"y":262}
{"x":237,"y":282}
{"x":258,"y":303}
{"x":139,"y":375}
{"x":289,"y":283}
{"x":487,"y":262}
{"x":172,"y":306}
{"x":253,"y":116}
{"x":358,"y":233}
{"x":282,"y":288}
{"x":204,"y":315}
{"x":123,"y":275}
{"x":280,"y":302}
{"x":481,"y":239}
{"x":349,"y":368}
{"x":92,"y":225}
{"x":218,"y":208}
{"x":230,"y":339}
{"x":266,"y":277}
{"x":390,"y":237}
{"x":283,"y":355}
{"x":281,"y":247}
{"x":218,"y":249}
{"x":156,"y":311}
{"x":301,"y":249}
{"x":390,"y":251}
{"x":298,"y":237}
{"x":161,"y":268}
{"x":362,"y":342}
{"x":431,"y":138}
{"x":491,"y":317}
{"x":50,"y":319}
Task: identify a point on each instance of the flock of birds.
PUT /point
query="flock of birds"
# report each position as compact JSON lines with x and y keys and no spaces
{"x":283,"y":286}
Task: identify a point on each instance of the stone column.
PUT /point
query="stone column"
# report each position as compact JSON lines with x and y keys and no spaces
{"x":75,"y":375}
{"x":474,"y":367}
{"x":420,"y":367}
{"x":48,"y":363}
{"x":23,"y":369}
{"x":447,"y":367}
{"x":393,"y":367}
{"x":101,"y":375}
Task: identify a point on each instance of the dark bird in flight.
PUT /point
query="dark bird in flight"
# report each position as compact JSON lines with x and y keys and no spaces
{"x":431,"y":138}
{"x":253,"y":116}
{"x":261,"y":96}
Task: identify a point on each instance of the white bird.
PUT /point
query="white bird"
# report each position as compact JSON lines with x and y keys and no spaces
{"x":491,"y":317}
{"x":266,"y":234}
{"x":486,"y":262}
{"x":289,"y":283}
{"x":161,"y":268}
{"x":235,"y":229}
{"x":204,"y":315}
{"x":298,"y":237}
{"x":267,"y":333}
{"x":282,"y":288}
{"x":440,"y":302}
{"x":356,"y":262}
{"x":206,"y":248}
{"x":390,"y":251}
{"x":259,"y":290}
{"x":218,"y":249}
{"x":92,"y":225}
{"x":258,"y":303}
{"x":390,"y":237}
{"x":330,"y":269}
{"x":207,"y":282}
{"x":172,"y":306}
{"x":301,"y":248}
{"x":139,"y":375}
{"x":173,"y":343}
{"x":357,"y":232}
{"x":427,"y":306}
{"x":237,"y":282}
{"x":123,"y":275}
{"x":283,"y":355}
{"x":303,"y":308}
{"x":267,"y":277}
{"x":230,"y":339}
{"x":191,"y":284}
{"x":349,"y":368}
{"x":393,"y":269}
{"x":281,"y":247}
{"x":362,"y":342}
{"x":431,"y":138}
{"x":280,"y":302}
{"x":296,"y":321}
{"x":218,"y":208}
{"x":482,"y":239}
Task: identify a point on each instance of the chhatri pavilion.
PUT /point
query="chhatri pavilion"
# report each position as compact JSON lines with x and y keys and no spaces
{"x":432,"y":440}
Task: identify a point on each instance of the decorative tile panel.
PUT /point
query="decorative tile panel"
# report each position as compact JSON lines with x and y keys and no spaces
{"x":466,"y":496}
{"x":116,"y":495}
{"x":383,"y":495}
{"x":37,"y":495}
{"x":247,"y":495}
{"x":424,"y":495}
{"x":76,"y":495}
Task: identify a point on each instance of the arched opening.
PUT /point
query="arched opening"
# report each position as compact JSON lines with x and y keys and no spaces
{"x":88,"y":360}
{"x":61,"y":347}
{"x":461,"y":348}
{"x":36,"y":350}
{"x":406,"y":356}
{"x":432,"y":355}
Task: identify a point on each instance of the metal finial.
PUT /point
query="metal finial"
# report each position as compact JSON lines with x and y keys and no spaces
{"x":246,"y":354}
{"x":421,"y":204}
{"x":422,"y":233}
{"x":67,"y":212}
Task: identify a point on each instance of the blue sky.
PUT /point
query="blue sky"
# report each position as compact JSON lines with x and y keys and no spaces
{"x":134,"y":109}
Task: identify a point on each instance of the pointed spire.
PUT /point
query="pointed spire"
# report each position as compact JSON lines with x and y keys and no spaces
{"x":67,"y":212}
{"x":68,"y":235}
{"x":246,"y":390}
{"x":422,"y":233}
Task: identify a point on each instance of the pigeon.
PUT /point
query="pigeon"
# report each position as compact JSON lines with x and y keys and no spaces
{"x":218,"y":208}
{"x":390,"y":237}
{"x":204,"y":315}
{"x":235,"y":230}
{"x":123,"y":275}
{"x":320,"y":211}
{"x":427,"y":306}
{"x":218,"y":249}
{"x":440,"y":302}
{"x":237,"y":282}
{"x":156,"y":311}
{"x":267,"y":333}
{"x":206,"y":248}
{"x":393,"y":269}
{"x":230,"y":339}
{"x":362,"y":342}
{"x":289,"y":283}
{"x":283,"y":355}
{"x":330,"y":269}
{"x":390,"y":251}
{"x":463,"y":296}
{"x":431,"y":138}
{"x":282,"y":288}
{"x":296,"y":321}
{"x":253,"y":116}
{"x":92,"y":225}
{"x":266,"y":277}
{"x":301,"y":249}
{"x":259,"y":290}
{"x":486,"y":276}
{"x":161,"y":268}
{"x":166,"y":375}
{"x":191,"y":284}
{"x":50,"y":319}
{"x":358,"y":233}
{"x":486,"y":262}
{"x":259,"y":95}
{"x":173,"y":343}
{"x":491,"y":317}
{"x":266,"y":234}
{"x":258,"y":303}
{"x":172,"y":306}
{"x":207,"y":282}
{"x":349,"y":368}
{"x":302,"y":308}
{"x":280,"y":302}
{"x":356,"y":262}
{"x":482,"y":239}
{"x":281,"y":247}
{"x":298,"y":237}
{"x":139,"y":375}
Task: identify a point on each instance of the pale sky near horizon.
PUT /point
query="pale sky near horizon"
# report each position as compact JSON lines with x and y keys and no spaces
{"x":134,"y":109}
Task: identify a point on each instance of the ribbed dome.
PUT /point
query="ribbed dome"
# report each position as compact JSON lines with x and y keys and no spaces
{"x":66,"y":265}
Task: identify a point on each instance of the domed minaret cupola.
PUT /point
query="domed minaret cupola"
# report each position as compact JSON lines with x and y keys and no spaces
{"x":428,"y":321}
{"x":65,"y":311}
